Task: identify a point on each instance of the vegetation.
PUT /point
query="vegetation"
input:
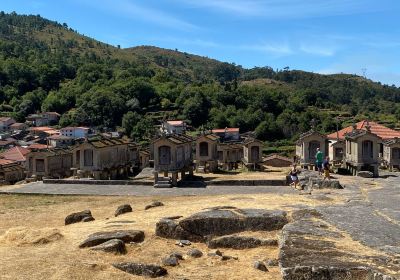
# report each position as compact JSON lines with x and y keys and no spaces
{"x":46,"y":66}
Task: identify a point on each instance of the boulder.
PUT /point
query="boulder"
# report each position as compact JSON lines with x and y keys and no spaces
{"x":260,"y":266}
{"x":154,"y":204}
{"x":272,"y":262}
{"x":195,"y":253}
{"x":122,"y":209}
{"x":147,"y":270}
{"x":221,"y":222}
{"x":177,"y":255}
{"x":317,"y":183}
{"x":123,"y":235}
{"x":170,"y":261}
{"x":240,"y":242}
{"x":79,"y":217}
{"x":365,"y":174}
{"x":116,"y":246}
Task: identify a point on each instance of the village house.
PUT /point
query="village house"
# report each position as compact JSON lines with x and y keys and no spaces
{"x":5,"y":123}
{"x":307,"y":145}
{"x":174,"y":127}
{"x":101,"y":158}
{"x":252,"y":153}
{"x":42,"y":131}
{"x":362,"y":151}
{"x":7,"y":143}
{"x":276,"y":160}
{"x":59,"y":141}
{"x":43,"y":119}
{"x":391,"y":153}
{"x":10,"y":172}
{"x":18,"y":127}
{"x":207,"y":153}
{"x":49,"y":163}
{"x":75,"y":132}
{"x":172,"y":154}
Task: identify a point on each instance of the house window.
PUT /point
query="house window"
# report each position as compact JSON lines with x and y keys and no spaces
{"x":40,"y":165}
{"x":203,"y":149}
{"x":367,"y":149}
{"x":164,"y":153}
{"x":88,"y":157}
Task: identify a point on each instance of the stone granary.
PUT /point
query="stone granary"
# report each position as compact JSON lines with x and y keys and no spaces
{"x":51,"y":163}
{"x":252,"y":153}
{"x":336,"y":151}
{"x":391,"y":153}
{"x":230,"y":154}
{"x":101,"y":158}
{"x":362,"y":151}
{"x":307,"y":145}
{"x":10,"y":172}
{"x":144,"y":158}
{"x":207,"y":153}
{"x":172,"y":154}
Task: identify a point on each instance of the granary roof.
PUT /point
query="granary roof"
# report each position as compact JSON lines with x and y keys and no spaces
{"x":212,"y":137}
{"x":102,"y":143}
{"x":176,"y":138}
{"x":392,"y":141}
{"x":311,"y":132}
{"x":355,"y":133}
{"x":376,"y":128}
{"x":15,"y":154}
{"x":251,"y":140}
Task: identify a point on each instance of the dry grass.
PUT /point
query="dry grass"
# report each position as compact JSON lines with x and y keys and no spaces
{"x":35,"y":244}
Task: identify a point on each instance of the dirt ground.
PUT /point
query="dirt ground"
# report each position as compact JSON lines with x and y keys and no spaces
{"x":35,"y":244}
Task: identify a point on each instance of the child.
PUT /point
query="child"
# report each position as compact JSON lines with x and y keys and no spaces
{"x":326,"y":166}
{"x":294,"y":176}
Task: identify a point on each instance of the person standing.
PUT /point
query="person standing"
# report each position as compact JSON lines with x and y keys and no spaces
{"x":319,"y":156}
{"x":327,"y":169}
{"x":294,"y":176}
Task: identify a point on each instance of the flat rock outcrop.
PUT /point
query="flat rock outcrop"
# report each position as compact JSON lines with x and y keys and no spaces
{"x":200,"y":226}
{"x":240,"y":242}
{"x":123,"y":235}
{"x":116,"y":246}
{"x":154,"y":204}
{"x":147,"y":270}
{"x":83,"y":216}
{"x":308,"y":251}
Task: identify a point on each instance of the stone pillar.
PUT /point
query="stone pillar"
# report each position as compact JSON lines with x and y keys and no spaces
{"x":191,"y":170}
{"x":175,"y":179}
{"x":155,"y":173}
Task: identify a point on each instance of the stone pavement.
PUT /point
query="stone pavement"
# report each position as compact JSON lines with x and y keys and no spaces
{"x":81,"y":189}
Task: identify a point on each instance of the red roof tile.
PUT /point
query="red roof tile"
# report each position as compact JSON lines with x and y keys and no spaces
{"x":228,"y":129}
{"x":15,"y":153}
{"x":37,"y":146}
{"x":175,"y":122}
{"x":376,"y":128}
{"x":6,"y":161}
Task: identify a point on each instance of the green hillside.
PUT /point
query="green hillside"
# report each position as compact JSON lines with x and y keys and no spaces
{"x":47,"y":66}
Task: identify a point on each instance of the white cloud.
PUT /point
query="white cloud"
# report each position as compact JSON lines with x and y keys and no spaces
{"x":134,"y":10}
{"x":317,"y":50}
{"x":275,"y":49}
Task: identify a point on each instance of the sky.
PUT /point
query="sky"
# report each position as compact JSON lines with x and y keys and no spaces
{"x":325,"y":36}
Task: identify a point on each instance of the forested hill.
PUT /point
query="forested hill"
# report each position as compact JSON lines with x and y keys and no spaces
{"x":47,"y":66}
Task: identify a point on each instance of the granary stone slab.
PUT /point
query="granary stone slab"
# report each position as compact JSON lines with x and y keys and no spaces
{"x":123,"y":235}
{"x":147,"y":270}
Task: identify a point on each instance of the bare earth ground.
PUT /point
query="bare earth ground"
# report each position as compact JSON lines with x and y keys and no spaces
{"x":26,"y":219}
{"x":35,"y":244}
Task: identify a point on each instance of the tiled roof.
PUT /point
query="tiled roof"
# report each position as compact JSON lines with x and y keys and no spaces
{"x":37,"y":146}
{"x":59,"y":137}
{"x":176,"y":138}
{"x":251,"y":140}
{"x":376,"y":128}
{"x":228,"y":129}
{"x":4,"y":119}
{"x":6,"y":161}
{"x":175,"y":122}
{"x":212,"y":137}
{"x":40,"y":128}
{"x":17,"y":124}
{"x":15,"y":153}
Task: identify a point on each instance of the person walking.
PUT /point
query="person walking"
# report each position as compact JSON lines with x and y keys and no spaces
{"x":319,"y":156}
{"x":327,"y":169}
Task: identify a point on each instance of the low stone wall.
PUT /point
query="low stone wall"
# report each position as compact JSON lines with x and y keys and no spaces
{"x":272,"y":182}
{"x":97,"y":182}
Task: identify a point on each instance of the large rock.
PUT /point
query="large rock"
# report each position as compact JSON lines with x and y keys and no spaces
{"x":147,"y":270}
{"x":240,"y":242}
{"x":123,"y":235}
{"x":154,"y":204}
{"x":170,"y":261}
{"x":195,"y":253}
{"x":317,"y":183}
{"x":116,"y":246}
{"x":221,"y":222}
{"x":122,"y":209}
{"x":83,"y":216}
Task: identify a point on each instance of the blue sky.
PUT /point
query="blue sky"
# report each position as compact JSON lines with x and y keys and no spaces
{"x":324,"y":36}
